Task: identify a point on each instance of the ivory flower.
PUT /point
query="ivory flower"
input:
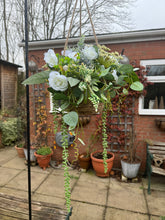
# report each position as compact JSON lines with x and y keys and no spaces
{"x":71,"y":54}
{"x":58,"y":82}
{"x":50,"y":58}
{"x":90,"y":52}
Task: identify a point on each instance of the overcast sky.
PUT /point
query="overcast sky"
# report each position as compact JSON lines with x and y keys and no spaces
{"x":149,"y":14}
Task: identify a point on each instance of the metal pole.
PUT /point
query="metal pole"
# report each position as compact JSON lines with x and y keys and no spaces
{"x":27,"y":106}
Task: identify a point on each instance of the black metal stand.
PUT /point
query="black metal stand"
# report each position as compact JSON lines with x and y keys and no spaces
{"x":27,"y":106}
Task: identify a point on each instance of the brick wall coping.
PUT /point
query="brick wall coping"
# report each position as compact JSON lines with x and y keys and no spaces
{"x":111,"y":38}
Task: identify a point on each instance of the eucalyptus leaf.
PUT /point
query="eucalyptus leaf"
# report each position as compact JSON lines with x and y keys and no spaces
{"x":59,"y":96}
{"x":71,"y":119}
{"x":121,"y":80}
{"x":104,"y":72}
{"x":137,"y":86}
{"x":126,"y":68}
{"x":64,"y":105}
{"x":37,"y":78}
{"x":73,"y":81}
{"x":125,"y":91}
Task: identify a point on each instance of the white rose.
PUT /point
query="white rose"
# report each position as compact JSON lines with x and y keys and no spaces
{"x":90,"y":52}
{"x":71,"y":54}
{"x":50,"y":58}
{"x":65,"y":67}
{"x":58,"y":82}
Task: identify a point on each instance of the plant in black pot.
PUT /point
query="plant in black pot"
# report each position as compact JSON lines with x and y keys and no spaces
{"x":130,"y":162}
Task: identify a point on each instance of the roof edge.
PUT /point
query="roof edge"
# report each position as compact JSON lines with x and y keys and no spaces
{"x":112,"y":38}
{"x":9,"y":63}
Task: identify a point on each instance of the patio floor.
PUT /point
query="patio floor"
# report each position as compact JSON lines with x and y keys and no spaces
{"x":93,"y":198}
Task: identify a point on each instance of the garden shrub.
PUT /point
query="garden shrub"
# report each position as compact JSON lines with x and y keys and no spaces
{"x":11,"y":131}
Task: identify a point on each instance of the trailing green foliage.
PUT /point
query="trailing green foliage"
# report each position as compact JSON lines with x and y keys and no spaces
{"x":65,"y":155}
{"x":104,"y":138}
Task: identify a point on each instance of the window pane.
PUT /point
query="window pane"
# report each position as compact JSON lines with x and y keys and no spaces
{"x":155,"y":98}
{"x":155,"y":70}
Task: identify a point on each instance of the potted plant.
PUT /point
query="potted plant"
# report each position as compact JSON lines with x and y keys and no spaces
{"x":102,"y":160}
{"x":43,"y":155}
{"x":19,"y":148}
{"x":84,"y":159}
{"x":88,"y":75}
{"x":130,"y":162}
{"x":32,"y":157}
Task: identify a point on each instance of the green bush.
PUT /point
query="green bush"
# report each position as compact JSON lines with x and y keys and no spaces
{"x":11,"y":131}
{"x":44,"y":150}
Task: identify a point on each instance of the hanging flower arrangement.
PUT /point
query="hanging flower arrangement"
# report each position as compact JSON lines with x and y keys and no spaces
{"x":86,"y":74}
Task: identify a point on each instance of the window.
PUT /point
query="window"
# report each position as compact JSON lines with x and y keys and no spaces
{"x":154,"y":102}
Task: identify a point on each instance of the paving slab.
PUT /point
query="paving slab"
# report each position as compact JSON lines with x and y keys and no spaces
{"x":118,"y":214}
{"x":7,"y":174}
{"x":54,"y":185}
{"x":15,"y":163}
{"x":156,"y":202}
{"x":7,"y":154}
{"x":21,"y":181}
{"x":60,"y":171}
{"x":14,"y":192}
{"x":90,"y":192}
{"x":91,"y":177}
{"x":127,"y":196}
{"x":157,"y":217}
{"x":50,"y":199}
{"x":85,"y":211}
{"x":38,"y":169}
{"x":157,"y":182}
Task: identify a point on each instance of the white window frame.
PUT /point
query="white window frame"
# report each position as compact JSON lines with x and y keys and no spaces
{"x":155,"y":79}
{"x":51,"y":104}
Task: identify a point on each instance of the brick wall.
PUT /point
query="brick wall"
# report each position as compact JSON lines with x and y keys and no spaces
{"x":8,"y":86}
{"x":145,"y":127}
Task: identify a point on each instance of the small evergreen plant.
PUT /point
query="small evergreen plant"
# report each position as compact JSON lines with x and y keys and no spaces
{"x":44,"y":150}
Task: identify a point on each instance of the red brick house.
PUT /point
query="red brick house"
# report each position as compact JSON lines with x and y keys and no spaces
{"x":146,"y":48}
{"x":8,"y":84}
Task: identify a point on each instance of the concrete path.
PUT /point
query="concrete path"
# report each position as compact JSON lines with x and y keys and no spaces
{"x":93,"y":198}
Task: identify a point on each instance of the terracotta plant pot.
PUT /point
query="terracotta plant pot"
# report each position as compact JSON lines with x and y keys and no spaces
{"x":84,"y":161}
{"x":20,"y":152}
{"x":98,"y":164}
{"x":43,"y":160}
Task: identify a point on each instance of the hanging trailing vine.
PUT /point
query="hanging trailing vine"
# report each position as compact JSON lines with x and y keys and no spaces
{"x":65,"y":165}
{"x":104,"y":138}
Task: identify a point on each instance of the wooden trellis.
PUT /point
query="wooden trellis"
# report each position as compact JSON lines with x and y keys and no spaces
{"x":39,"y":99}
{"x":120,"y":126}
